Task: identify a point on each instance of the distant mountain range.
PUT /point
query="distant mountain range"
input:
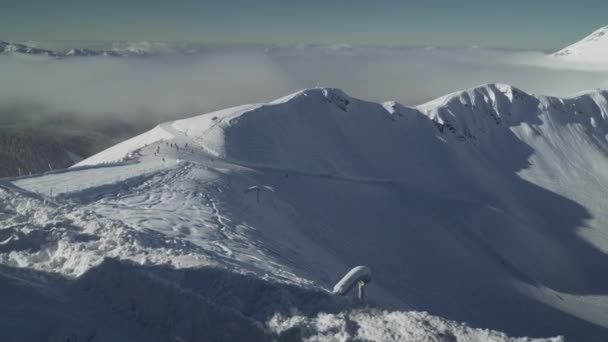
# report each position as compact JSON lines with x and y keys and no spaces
{"x":9,"y":47}
{"x":111,"y":49}
{"x":591,"y":49}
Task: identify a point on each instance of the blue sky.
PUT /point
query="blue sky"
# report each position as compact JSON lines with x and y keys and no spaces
{"x":540,"y":24}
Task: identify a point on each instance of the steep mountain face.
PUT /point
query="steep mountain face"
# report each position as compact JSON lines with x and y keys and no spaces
{"x":485,"y":206}
{"x":591,"y":49}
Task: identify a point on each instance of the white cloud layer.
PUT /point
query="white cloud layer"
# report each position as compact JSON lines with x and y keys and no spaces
{"x":167,"y":85}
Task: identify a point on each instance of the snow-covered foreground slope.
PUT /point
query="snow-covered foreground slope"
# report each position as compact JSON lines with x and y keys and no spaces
{"x":591,"y":49}
{"x":485,"y":206}
{"x":168,"y":288}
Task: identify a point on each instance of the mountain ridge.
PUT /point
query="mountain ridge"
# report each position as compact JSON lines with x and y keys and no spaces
{"x":466,"y":115}
{"x":471,"y":207}
{"x":22,"y":48}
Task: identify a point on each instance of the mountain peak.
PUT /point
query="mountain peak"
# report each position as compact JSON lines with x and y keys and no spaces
{"x":485,"y":92}
{"x":333,"y":95}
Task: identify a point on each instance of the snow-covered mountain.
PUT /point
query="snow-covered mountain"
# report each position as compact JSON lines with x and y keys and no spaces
{"x":106,"y":48}
{"x":591,"y":49}
{"x":7,"y":47}
{"x":485,"y":206}
{"x":21,"y":48}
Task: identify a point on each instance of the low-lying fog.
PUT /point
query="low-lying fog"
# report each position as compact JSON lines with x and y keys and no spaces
{"x":169,"y":85}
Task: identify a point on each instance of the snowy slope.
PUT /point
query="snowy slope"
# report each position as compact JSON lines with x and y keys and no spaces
{"x":591,"y":49}
{"x":485,"y":206}
{"x":160,"y":296}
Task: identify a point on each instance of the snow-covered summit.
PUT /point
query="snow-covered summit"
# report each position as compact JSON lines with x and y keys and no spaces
{"x":315,"y":130}
{"x":591,"y":49}
{"x":485,"y":108}
{"x":485,"y":206}
{"x":319,"y":129}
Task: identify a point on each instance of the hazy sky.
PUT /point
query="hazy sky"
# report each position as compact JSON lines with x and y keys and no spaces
{"x":540,"y":24}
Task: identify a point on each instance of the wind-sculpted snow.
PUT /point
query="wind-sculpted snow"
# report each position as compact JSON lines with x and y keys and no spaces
{"x":43,"y":235}
{"x":485,"y":206}
{"x":381,"y":325}
{"x":119,"y":301}
{"x":150,"y":300}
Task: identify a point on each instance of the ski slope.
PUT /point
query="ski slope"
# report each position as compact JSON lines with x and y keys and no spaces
{"x":485,"y":206}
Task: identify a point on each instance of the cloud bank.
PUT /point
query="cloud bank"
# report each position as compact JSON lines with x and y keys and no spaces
{"x":170,"y":85}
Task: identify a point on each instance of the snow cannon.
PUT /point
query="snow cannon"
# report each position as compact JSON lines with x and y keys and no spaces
{"x":360,"y":275}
